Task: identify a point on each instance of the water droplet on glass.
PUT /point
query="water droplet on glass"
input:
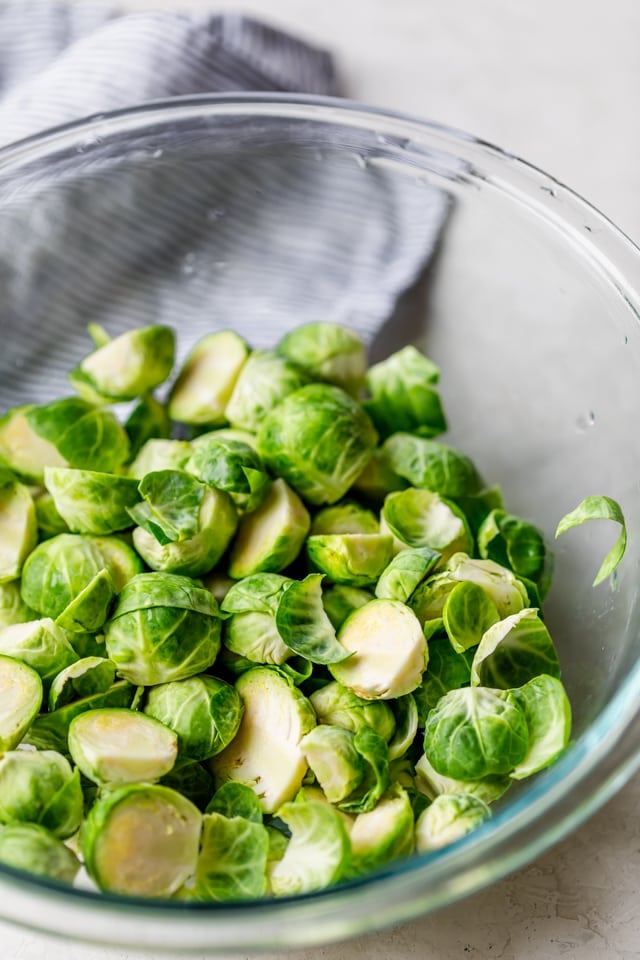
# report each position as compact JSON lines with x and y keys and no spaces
{"x":626,"y":339}
{"x":157,"y":154}
{"x":361,"y":161}
{"x":215,"y":213}
{"x":584,"y":421}
{"x":220,"y":264}
{"x":189,"y":264}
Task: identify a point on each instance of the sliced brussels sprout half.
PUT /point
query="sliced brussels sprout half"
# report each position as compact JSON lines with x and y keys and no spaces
{"x":205,"y":383}
{"x":548,"y":714}
{"x":41,"y":644}
{"x":127,"y":366}
{"x":376,"y":669}
{"x":203,"y":712}
{"x":18,"y":529}
{"x":467,"y":614}
{"x":421,"y":518}
{"x":476,"y":732}
{"x":339,"y":602}
{"x":319,"y":439}
{"x":352,"y":559}
{"x":303,"y":624}
{"x":120,"y":560}
{"x":81,"y":679}
{"x":271,"y":537}
{"x":514,"y":651}
{"x":232,"y":864}
{"x":259,"y":593}
{"x":264,"y":381}
{"x":404,"y":572}
{"x":266,"y":754}
{"x":431,"y":465}
{"x":29,"y":847}
{"x":142,"y":840}
{"x":23,"y":450}
{"x":20,"y":701}
{"x":403,"y":395}
{"x":501,"y":585}
{"x":236,"y":800}
{"x":318,"y":853}
{"x":230,"y":465}
{"x":85,"y":435}
{"x":432,"y":784}
{"x":345,"y":517}
{"x":384,"y":833}
{"x":39,"y":786}
{"x":328,"y":352}
{"x":351,"y":768}
{"x":255,"y":637}
{"x":50,"y":731}
{"x":160,"y":454}
{"x":91,"y":502}
{"x":338,"y":706}
{"x":450,"y":817}
{"x":115,"y":746}
{"x":149,"y":420}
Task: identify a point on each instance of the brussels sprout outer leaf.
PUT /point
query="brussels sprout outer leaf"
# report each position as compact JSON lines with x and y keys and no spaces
{"x":20,"y":701}
{"x":57,"y":571}
{"x":513,"y":542}
{"x":88,"y":610}
{"x":449,"y":818}
{"x":91,"y":502}
{"x":406,"y":712}
{"x":84,"y":678}
{"x":318,"y":853}
{"x":159,"y":454}
{"x":599,"y":508}
{"x":353,"y":559}
{"x":264,"y":381}
{"x":403,"y":396}
{"x":446,"y":670}
{"x":468,"y":613}
{"x":337,"y":705}
{"x":373,"y":749}
{"x":548,"y":713}
{"x":327,"y":352}
{"x":29,"y":847}
{"x":431,"y":465}
{"x":514,"y":651}
{"x":192,"y":781}
{"x":232,"y":864}
{"x":172,"y":505}
{"x":259,"y":593}
{"x":303,"y":624}
{"x":148,"y":420}
{"x":86,"y":436}
{"x":236,"y":800}
{"x":150,"y":590}
{"x":255,"y":637}
{"x":403,"y":574}
{"x":338,"y":765}
{"x":40,"y":787}
{"x":422,"y":518}
{"x":432,"y":784}
{"x":339,"y":602}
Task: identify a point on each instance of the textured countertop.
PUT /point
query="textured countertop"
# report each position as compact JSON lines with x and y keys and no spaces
{"x":559,"y":84}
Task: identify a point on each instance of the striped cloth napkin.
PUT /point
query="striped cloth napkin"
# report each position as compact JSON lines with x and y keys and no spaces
{"x":257,"y":240}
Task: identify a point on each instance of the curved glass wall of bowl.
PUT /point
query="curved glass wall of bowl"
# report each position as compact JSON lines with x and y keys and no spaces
{"x":529,"y":308}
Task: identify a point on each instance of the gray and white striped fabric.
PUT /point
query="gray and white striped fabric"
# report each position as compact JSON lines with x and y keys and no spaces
{"x":258,"y":234}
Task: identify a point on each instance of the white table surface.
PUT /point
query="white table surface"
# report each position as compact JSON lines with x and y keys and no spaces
{"x":557,"y":82}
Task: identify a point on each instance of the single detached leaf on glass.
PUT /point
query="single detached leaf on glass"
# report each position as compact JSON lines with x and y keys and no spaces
{"x":599,"y":508}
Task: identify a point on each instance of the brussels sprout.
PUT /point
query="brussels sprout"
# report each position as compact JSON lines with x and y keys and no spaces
{"x":432,"y":784}
{"x":12,"y":607}
{"x":230,"y":465}
{"x":514,"y":651}
{"x":259,"y":593}
{"x":508,"y":594}
{"x":352,"y":559}
{"x":345,"y":517}
{"x":192,"y":781}
{"x":337,"y":705}
{"x":332,"y":755}
{"x":266,"y":754}
{"x":467,"y":614}
{"x":41,"y":644}
{"x":479,"y":505}
{"x":318,"y":852}
{"x":88,"y":611}
{"x":548,"y":714}
{"x":227,"y":433}
{"x":205,"y":383}
{"x":203,"y":711}
{"x":319,"y":439}
{"x":148,"y":420}
{"x":420,"y":518}
{"x":128,"y":366}
{"x":142,"y":840}
{"x":264,"y":381}
{"x":428,"y":599}
{"x":406,"y":712}
{"x":514,"y":543}
{"x":29,"y":847}
{"x":236,"y":800}
{"x":40,"y":787}
{"x":327,"y":352}
{"x":18,"y":529}
{"x":91,"y":502}
{"x":48,"y":520}
{"x":377,"y":479}
{"x":115,"y":746}
{"x":81,"y":679}
{"x":339,"y":602}
{"x":255,"y":636}
{"x":58,"y":571}
{"x":384,"y":833}
{"x":378,"y":670}
{"x":185,"y":526}
{"x":20,"y":701}
{"x":232,"y":864}
{"x":271,"y":537}
{"x":449,"y":818}
{"x":159,"y":454}
{"x":163,"y":628}
{"x":476,"y":732}
{"x":86,"y":436}
{"x":403,"y":574}
{"x":50,"y":731}
{"x":23,"y":450}
{"x":120,"y":560}
{"x":303,"y":624}
{"x":403,"y":396}
{"x":447,"y":670}
{"x":431,"y":465}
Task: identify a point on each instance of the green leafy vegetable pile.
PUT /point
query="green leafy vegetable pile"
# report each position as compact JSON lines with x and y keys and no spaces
{"x":302,"y":644}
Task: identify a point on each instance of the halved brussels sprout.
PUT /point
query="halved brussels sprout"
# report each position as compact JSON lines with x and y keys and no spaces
{"x":203,"y":712}
{"x":264,"y":381}
{"x":507,"y":592}
{"x":420,"y":518}
{"x":159,"y":454}
{"x":432,"y":784}
{"x":230,"y":465}
{"x":303,"y":624}
{"x":29,"y":847}
{"x":319,"y":439}
{"x":49,"y":521}
{"x":335,"y":760}
{"x":20,"y":701}
{"x":85,"y":435}
{"x":318,"y":852}
{"x":377,"y":669}
{"x":271,"y":537}
{"x":164,"y":627}
{"x":255,"y":636}
{"x":142,"y":840}
{"x":83,"y":678}
{"x":120,"y":560}
{"x":266,"y":754}
{"x":232,"y":864}
{"x":377,"y":479}
{"x":91,"y":502}
{"x":548,"y":714}
{"x":41,"y":644}
{"x":384,"y":833}
{"x":23,"y":450}
{"x":327,"y":352}
{"x":345,"y":517}
{"x":449,"y":818}
{"x":339,"y":602}
{"x":18,"y":529}
{"x":39,"y":786}
{"x":431,"y":465}
{"x":205,"y":383}
{"x":58,"y":571}
{"x":467,"y":614}
{"x":148,"y":420}
{"x":403,"y":574}
{"x":476,"y":732}
{"x":514,"y":651}
{"x":113,"y":746}
{"x":403,"y":395}
{"x":446,"y":670}
{"x":128,"y":366}
{"x":50,"y":731}
{"x":338,"y":706}
{"x":352,"y":559}
{"x":236,"y":800}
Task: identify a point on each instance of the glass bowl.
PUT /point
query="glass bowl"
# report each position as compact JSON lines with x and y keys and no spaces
{"x":531,"y":308}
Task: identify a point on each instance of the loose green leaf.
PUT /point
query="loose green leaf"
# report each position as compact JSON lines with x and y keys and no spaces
{"x":548,"y":713}
{"x":232,"y":864}
{"x":303,"y":624}
{"x":172,"y":505}
{"x":468,"y":613}
{"x":514,"y":651}
{"x":599,"y":508}
{"x":409,"y":568}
